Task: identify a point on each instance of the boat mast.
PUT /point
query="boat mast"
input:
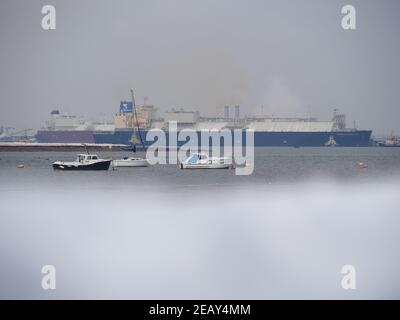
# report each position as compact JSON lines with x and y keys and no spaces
{"x":136,"y":119}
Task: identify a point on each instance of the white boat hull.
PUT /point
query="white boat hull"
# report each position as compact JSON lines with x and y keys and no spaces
{"x":206,"y":166}
{"x":130,"y":163}
{"x":203,"y":161}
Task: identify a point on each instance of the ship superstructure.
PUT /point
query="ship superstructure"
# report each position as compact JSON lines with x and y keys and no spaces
{"x":63,"y":128}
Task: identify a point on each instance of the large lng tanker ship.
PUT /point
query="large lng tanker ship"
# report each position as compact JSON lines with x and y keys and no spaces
{"x":131,"y":124}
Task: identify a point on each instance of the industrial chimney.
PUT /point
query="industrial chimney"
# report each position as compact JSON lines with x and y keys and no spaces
{"x":226,"y":112}
{"x":237,"y":112}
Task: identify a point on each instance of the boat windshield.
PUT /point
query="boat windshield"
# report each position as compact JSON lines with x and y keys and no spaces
{"x":81,"y":158}
{"x":193,"y":159}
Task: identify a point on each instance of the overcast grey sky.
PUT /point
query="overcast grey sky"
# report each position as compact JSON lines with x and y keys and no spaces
{"x":292,"y":57}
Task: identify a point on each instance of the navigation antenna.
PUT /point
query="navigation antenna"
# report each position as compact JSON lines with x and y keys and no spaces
{"x":85,"y":146}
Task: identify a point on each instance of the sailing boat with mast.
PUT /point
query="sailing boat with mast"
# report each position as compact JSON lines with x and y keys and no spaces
{"x":136,"y":121}
{"x":133,"y":161}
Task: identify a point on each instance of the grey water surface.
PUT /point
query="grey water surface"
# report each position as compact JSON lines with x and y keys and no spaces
{"x":160,"y":232}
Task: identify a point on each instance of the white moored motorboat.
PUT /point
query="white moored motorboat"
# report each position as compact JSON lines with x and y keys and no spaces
{"x":130,"y":162}
{"x":203,"y":161}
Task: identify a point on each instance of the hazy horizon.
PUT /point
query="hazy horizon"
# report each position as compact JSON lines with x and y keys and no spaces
{"x":291,"y":57}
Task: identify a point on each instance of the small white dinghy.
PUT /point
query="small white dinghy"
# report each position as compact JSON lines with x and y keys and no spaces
{"x":203,"y":161}
{"x":130,"y":162}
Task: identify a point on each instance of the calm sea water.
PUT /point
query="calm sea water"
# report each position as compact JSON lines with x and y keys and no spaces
{"x":272,"y":165}
{"x":160,"y":232}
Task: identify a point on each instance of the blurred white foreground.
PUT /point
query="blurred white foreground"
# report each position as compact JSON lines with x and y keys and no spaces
{"x":269,"y":242}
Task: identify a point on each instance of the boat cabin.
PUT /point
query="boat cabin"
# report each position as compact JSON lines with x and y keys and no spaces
{"x":203,"y":161}
{"x":197,"y":157}
{"x":86,"y":157}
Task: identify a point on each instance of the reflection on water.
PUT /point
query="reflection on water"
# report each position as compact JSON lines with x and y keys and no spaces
{"x":160,"y":232}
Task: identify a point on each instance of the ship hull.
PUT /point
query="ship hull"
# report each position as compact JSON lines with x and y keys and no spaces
{"x":114,"y":137}
{"x":358,"y":138}
{"x":65,"y":136}
{"x":312,"y":139}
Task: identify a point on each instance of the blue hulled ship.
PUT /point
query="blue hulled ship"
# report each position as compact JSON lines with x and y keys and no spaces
{"x":132,"y":123}
{"x":268,"y":131}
